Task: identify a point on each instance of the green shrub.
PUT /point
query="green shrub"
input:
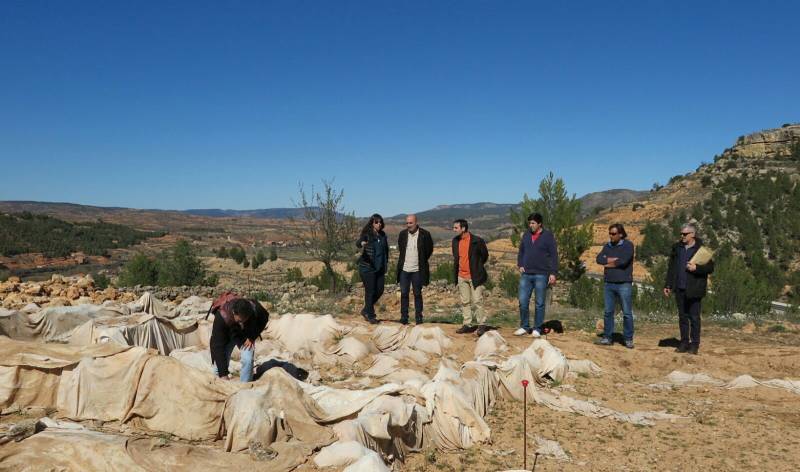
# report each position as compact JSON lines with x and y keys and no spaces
{"x":509,"y":282}
{"x":263,"y":296}
{"x":4,"y":273}
{"x":586,"y":293}
{"x":101,"y":280}
{"x":325,"y":281}
{"x":222,"y":253}
{"x":734,"y":288}
{"x":180,"y":266}
{"x":391,"y":274}
{"x":273,"y":253}
{"x":294,"y":274}
{"x":444,"y":271}
{"x":237,"y":254}
{"x":657,"y":242}
{"x":139,"y":270}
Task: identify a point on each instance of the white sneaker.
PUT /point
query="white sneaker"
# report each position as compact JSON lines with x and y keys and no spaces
{"x":521,"y":332}
{"x":535,"y":333}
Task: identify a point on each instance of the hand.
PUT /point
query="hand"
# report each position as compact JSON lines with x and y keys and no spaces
{"x":667,"y":292}
{"x":363,"y":243}
{"x":551,"y":280}
{"x":248,"y":345}
{"x":611,"y":261}
{"x":691,"y":266}
{"x":521,"y":270}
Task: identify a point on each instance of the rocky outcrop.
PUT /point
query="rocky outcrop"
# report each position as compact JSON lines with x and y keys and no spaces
{"x":767,"y":144}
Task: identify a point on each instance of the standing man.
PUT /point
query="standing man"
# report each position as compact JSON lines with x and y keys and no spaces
{"x":616,"y":257}
{"x":537,"y":261}
{"x":469,"y":257}
{"x":416,"y":247}
{"x":688,"y":278}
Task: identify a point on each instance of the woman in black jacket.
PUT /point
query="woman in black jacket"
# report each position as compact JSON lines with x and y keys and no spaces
{"x":688,"y":281}
{"x":372,"y":264}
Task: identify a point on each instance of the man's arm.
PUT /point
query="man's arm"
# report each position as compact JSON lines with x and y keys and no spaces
{"x":602,"y":258}
{"x":627,"y":255}
{"x":705,"y":269}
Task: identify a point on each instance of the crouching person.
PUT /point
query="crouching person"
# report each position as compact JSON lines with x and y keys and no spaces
{"x":237,"y":323}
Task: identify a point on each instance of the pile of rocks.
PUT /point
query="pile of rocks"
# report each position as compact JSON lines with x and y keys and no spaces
{"x":58,"y":291}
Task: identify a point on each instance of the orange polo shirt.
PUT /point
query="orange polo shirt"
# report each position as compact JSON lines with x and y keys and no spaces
{"x":463,"y":256}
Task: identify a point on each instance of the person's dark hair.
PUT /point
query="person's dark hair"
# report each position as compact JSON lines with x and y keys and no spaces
{"x":242,"y":308}
{"x":620,"y":229}
{"x":463,"y":223}
{"x":372,"y":219}
{"x":537,"y":217}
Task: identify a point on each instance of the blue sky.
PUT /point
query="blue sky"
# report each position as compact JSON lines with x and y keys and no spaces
{"x":406,"y":105}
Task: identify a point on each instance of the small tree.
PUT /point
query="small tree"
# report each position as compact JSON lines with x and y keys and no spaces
{"x":329,"y":232}
{"x":139,"y":270}
{"x":260,"y":258}
{"x":180,"y":266}
{"x":255,"y":263}
{"x":273,"y":253}
{"x":222,"y":253}
{"x":560,"y":213}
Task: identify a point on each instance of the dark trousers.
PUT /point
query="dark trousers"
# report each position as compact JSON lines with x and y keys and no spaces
{"x":373,"y":289}
{"x":407,"y":280}
{"x":688,"y":318}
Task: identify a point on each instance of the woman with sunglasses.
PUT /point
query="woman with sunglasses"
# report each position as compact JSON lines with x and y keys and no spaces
{"x":372,"y":264}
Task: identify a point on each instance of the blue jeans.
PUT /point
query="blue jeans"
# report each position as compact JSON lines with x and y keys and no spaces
{"x":624,"y":293}
{"x":246,"y":356}
{"x":529,"y":283}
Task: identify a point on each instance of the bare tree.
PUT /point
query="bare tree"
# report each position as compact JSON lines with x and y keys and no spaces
{"x":328,"y":231}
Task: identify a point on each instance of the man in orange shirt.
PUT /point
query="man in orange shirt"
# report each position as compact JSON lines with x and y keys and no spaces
{"x":469,"y":256}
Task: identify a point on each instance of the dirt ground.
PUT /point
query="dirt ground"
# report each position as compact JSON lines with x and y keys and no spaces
{"x":745,"y":429}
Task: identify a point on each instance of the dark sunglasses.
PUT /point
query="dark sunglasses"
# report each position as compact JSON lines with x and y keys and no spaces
{"x":613,"y":234}
{"x":685,"y":234}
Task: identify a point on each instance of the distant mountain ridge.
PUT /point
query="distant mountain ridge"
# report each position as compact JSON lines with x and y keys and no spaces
{"x":485,"y":215}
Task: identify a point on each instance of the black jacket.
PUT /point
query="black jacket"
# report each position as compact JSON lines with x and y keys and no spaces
{"x":424,"y":251}
{"x":478,"y":255}
{"x":223,"y":333}
{"x":697,"y":281}
{"x":366,"y":261}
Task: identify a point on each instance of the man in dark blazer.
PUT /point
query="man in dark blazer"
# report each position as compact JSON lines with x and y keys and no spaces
{"x":415,"y":246}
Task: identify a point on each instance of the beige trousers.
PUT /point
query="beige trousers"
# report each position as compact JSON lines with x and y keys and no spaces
{"x":471,"y":301}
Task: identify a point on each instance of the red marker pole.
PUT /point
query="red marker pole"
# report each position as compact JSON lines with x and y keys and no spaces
{"x":525,"y":425}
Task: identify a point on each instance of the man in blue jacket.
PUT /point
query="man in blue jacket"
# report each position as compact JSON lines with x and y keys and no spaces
{"x":538,"y":265}
{"x":616,"y":257}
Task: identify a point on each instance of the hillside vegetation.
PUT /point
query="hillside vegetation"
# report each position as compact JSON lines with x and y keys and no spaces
{"x":25,"y":232}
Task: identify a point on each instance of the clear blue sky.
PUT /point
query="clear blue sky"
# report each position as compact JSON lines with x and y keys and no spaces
{"x":406,"y":104}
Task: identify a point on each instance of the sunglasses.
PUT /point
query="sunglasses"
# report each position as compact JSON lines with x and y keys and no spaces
{"x":613,"y":234}
{"x":685,"y":234}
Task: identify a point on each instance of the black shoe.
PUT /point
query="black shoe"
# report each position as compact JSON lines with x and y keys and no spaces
{"x":693,"y":349}
{"x":418,"y":320}
{"x":682,"y":348}
{"x":464,"y":329}
{"x":629,"y":343}
{"x":403,"y":321}
{"x":481,"y":330}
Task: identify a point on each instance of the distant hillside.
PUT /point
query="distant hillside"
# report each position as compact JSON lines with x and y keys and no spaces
{"x":747,"y":203}
{"x":592,"y":202}
{"x":266,"y":213}
{"x":22,"y":233}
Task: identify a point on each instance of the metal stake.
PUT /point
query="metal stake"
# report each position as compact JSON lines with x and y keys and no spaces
{"x":525,"y":425}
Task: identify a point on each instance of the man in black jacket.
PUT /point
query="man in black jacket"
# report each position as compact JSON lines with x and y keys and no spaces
{"x":415,"y":246}
{"x":469,"y":256}
{"x":237,"y":323}
{"x":689,"y":282}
